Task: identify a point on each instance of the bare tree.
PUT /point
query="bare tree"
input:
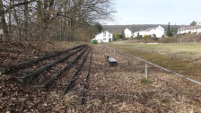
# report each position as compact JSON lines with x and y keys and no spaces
{"x":26,"y":19}
{"x":59,"y":19}
{"x":3,"y":22}
{"x":80,"y":12}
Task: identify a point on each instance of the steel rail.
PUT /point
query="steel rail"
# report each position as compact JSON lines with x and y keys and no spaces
{"x":72,"y":78}
{"x":86,"y":82}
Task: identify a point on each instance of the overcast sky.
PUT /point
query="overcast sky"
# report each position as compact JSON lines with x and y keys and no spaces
{"x":156,"y":12}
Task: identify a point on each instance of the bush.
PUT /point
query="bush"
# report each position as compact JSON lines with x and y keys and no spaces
{"x":139,"y":37}
{"x":146,"y":37}
{"x":94,"y":42}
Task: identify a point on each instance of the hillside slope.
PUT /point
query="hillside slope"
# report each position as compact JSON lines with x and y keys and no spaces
{"x":115,"y":29}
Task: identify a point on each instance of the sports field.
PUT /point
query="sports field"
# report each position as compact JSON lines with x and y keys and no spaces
{"x":182,"y":58}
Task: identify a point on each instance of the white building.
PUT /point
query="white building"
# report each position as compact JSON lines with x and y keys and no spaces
{"x":128,"y":33}
{"x":104,"y":36}
{"x":190,"y":29}
{"x":158,"y":31}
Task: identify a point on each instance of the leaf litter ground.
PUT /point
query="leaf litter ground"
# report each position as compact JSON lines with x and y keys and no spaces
{"x":111,"y":89}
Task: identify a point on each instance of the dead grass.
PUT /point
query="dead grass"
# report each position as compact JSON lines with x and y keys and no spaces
{"x":182,"y":58}
{"x":146,"y":81}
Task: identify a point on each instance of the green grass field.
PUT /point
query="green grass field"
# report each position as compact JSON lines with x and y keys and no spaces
{"x":182,"y":58}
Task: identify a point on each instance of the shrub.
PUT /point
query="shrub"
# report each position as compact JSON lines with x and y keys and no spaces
{"x":139,"y":37}
{"x":146,"y":37}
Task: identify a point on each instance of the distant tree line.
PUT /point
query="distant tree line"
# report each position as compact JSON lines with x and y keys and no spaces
{"x":136,"y":27}
{"x":52,"y":19}
{"x":171,"y":31}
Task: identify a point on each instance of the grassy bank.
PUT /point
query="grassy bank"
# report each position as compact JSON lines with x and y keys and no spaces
{"x":182,"y":58}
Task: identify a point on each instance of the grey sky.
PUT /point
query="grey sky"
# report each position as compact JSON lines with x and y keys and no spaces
{"x":157,"y":11}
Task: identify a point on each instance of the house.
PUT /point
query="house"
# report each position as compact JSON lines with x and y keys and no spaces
{"x":190,"y":29}
{"x":128,"y":33}
{"x":104,"y":36}
{"x":157,"y":31}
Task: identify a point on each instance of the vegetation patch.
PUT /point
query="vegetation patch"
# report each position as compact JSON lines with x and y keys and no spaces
{"x":146,"y":81}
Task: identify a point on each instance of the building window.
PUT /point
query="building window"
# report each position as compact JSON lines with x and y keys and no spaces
{"x":104,"y":38}
{"x":104,"y":34}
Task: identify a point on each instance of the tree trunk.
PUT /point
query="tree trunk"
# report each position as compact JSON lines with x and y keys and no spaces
{"x":3,"y":21}
{"x":39,"y":11}
{"x":26,"y":12}
{"x":9,"y":20}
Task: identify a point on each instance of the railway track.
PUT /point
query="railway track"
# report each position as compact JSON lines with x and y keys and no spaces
{"x":66,"y":70}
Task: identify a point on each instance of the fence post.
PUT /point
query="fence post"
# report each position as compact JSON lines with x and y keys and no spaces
{"x":146,"y":71}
